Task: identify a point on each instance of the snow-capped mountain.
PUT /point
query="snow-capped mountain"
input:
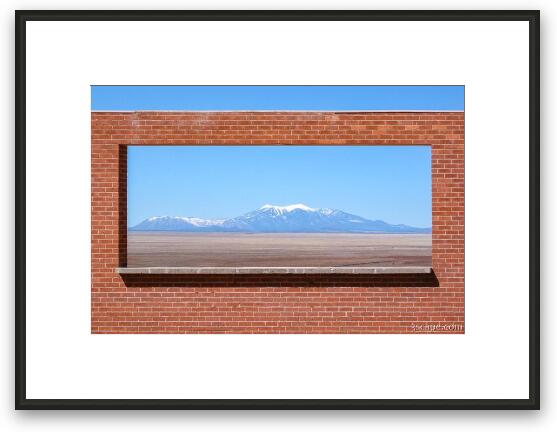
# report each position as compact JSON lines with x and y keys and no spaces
{"x":176,"y":223}
{"x":295,"y":218}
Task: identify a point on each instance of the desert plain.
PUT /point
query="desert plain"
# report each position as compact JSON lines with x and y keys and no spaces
{"x":182,"y":249}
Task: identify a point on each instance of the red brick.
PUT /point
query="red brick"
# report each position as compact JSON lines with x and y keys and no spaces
{"x":271,"y":304}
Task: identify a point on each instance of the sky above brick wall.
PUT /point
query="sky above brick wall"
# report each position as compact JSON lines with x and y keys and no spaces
{"x":218,"y":98}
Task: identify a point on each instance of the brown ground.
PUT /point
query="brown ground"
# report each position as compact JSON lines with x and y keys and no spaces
{"x":175,"y":249}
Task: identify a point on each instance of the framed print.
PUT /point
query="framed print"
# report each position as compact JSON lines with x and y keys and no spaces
{"x":250,"y":218}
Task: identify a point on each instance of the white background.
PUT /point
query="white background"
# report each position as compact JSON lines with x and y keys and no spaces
{"x":489,"y":361}
{"x":43,"y":421}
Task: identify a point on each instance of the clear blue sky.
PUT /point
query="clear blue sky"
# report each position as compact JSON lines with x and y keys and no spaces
{"x":388,"y":183}
{"x":277,"y":98}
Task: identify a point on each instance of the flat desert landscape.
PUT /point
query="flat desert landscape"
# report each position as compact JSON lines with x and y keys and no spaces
{"x":182,"y":249}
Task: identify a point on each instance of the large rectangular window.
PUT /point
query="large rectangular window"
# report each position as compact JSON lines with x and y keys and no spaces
{"x":279,"y":206}
{"x":334,"y":208}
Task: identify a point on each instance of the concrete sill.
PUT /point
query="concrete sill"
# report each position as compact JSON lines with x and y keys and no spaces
{"x":272,"y":270}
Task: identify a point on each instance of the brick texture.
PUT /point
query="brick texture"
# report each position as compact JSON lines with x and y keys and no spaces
{"x":276,"y":303}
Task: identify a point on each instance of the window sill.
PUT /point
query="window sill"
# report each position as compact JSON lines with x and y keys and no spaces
{"x":273,"y":270}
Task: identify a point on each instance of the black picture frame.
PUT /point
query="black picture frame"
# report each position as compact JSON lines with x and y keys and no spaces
{"x":531,"y":16}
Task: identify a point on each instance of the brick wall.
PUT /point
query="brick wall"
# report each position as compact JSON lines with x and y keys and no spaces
{"x":276,"y":303}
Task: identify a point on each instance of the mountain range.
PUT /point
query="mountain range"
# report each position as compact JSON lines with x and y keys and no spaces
{"x":295,"y":218}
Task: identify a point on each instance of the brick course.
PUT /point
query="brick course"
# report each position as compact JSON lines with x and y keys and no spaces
{"x":276,"y":303}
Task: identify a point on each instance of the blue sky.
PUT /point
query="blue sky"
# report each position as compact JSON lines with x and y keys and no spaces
{"x":277,"y":98}
{"x":388,"y":183}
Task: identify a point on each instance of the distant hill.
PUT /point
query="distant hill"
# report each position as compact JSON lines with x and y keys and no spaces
{"x":296,"y":218}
